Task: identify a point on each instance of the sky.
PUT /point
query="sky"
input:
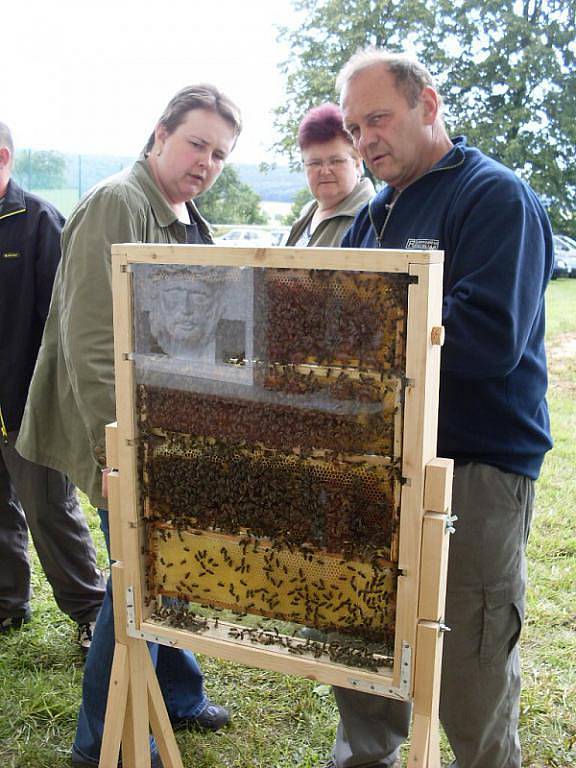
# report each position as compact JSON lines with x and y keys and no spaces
{"x":93,"y":76}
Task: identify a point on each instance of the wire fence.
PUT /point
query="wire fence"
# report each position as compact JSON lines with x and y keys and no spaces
{"x":63,"y":179}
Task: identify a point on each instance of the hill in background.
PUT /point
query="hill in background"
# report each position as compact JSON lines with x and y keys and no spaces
{"x":279,"y":184}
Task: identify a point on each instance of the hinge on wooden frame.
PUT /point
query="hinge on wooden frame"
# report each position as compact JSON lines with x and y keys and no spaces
{"x":402,"y":691}
{"x":450,"y":520}
{"x":138,"y":634}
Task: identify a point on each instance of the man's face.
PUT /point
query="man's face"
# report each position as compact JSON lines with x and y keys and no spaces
{"x":392,"y":137}
{"x":5,"y":168}
{"x":192,"y":157}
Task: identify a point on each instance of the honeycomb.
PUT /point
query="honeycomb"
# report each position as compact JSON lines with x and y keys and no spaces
{"x":251,"y":576}
{"x":336,"y":318}
{"x":346,"y":506}
{"x":281,"y":500}
{"x":367,"y":427}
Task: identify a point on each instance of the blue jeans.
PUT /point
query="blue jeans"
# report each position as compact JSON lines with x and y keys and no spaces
{"x":178,"y":673}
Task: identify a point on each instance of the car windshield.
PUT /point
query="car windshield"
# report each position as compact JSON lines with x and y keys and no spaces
{"x":569,"y":241}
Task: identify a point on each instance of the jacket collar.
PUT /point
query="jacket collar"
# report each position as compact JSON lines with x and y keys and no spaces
{"x":14,"y":201}
{"x":378,"y":207}
{"x":163,"y":213}
{"x":347,"y":207}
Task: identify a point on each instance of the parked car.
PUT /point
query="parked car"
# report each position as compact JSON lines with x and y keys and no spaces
{"x":570,"y":242}
{"x":280,"y":236}
{"x":259,"y":238}
{"x":564,"y":257}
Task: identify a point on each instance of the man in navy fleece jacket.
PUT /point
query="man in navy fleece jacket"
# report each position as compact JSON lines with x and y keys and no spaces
{"x":493,"y":419}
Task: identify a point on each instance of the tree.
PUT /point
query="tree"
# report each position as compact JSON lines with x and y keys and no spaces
{"x":506,"y":69}
{"x":301,"y":197}
{"x":230,"y":201}
{"x":41,"y":169}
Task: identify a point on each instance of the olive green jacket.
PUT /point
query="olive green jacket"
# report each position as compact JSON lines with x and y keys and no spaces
{"x":71,"y":396}
{"x":329,"y":233}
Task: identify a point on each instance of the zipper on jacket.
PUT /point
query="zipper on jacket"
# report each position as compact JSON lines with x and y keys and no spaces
{"x":11,"y":213}
{"x":390,"y":206}
{"x":3,"y":430}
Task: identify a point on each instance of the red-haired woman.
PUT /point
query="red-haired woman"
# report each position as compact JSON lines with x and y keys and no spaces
{"x":334,"y":174}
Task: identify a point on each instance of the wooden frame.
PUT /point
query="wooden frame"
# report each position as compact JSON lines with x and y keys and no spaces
{"x":135,"y":699}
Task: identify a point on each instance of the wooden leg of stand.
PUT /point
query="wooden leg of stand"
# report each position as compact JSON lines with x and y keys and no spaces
{"x":160,"y":722}
{"x":136,"y":735}
{"x":115,"y":709}
{"x":435,"y":746}
{"x":135,"y":723}
{"x":425,"y":742}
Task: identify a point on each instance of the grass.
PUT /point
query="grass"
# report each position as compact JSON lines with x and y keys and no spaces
{"x":285,"y":722}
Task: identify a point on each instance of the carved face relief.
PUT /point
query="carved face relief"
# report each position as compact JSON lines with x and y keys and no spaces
{"x":184,"y":313}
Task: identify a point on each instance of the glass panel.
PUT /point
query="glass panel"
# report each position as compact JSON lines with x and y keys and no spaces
{"x":270,"y":413}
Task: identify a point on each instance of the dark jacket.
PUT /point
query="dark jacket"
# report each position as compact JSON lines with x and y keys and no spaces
{"x":29,"y":254}
{"x":497,"y":243}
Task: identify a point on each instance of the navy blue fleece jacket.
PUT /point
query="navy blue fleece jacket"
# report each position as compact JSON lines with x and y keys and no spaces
{"x":497,"y":244}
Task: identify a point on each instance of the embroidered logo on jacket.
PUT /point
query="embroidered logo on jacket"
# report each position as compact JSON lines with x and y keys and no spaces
{"x":422,"y":244}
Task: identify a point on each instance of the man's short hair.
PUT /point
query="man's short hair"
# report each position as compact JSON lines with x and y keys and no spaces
{"x":6,"y":138}
{"x":410,"y":76}
{"x":202,"y":96}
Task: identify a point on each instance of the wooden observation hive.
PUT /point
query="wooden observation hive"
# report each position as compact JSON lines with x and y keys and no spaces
{"x":276,"y":470}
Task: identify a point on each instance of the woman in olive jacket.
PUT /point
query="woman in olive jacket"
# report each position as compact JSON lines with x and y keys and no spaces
{"x":72,"y":394}
{"x":334,"y":174}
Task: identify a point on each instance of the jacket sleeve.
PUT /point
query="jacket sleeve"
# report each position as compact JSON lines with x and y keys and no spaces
{"x":499,"y":252}
{"x":48,"y":231}
{"x":86,"y":327}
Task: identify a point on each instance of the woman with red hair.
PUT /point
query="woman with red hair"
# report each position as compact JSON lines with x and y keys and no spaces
{"x":334,"y":175}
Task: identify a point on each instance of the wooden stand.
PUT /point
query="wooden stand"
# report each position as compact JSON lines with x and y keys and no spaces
{"x":135,"y":704}
{"x":425,"y":743}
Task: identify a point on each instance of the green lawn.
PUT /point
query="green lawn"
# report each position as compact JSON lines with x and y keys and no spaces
{"x":283,"y":722}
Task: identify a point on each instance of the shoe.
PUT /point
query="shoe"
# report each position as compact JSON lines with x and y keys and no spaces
{"x":80,"y":762}
{"x":12,"y":623}
{"x":211,"y":718}
{"x":85,"y":632}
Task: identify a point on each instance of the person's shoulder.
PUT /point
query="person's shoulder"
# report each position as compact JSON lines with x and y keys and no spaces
{"x":121,"y":186}
{"x":362,"y":193}
{"x":481,"y":180}
{"x":485,"y":169}
{"x":114,"y":193}
{"x":307,"y":209}
{"x":299,"y":225}
{"x":36,"y":206}
{"x":486,"y":184}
